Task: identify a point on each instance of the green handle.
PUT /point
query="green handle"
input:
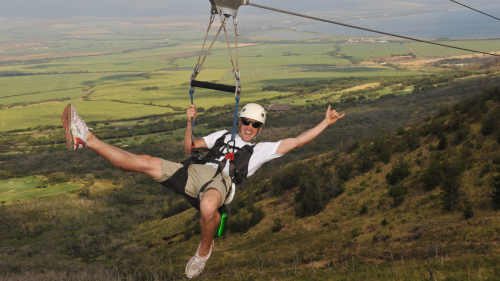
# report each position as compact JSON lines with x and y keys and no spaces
{"x":222,"y":225}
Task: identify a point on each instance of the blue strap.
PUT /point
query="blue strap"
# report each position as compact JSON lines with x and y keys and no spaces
{"x":235,"y":118}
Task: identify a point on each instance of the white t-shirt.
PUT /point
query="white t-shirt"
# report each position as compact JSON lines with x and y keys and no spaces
{"x":262,"y":152}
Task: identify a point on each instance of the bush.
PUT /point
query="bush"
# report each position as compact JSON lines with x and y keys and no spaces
{"x":288,"y":178}
{"x":443,"y":142}
{"x":431,"y":178}
{"x":413,"y":141}
{"x":401,"y":131}
{"x":58,"y":177}
{"x":451,"y":169}
{"x":277,"y":225}
{"x":242,"y":222}
{"x":344,"y":170}
{"x":491,"y":122}
{"x":496,"y":191}
{"x":468,"y":210}
{"x":364,"y":210}
{"x":311,"y":198}
{"x":400,"y":170}
{"x":176,"y":208}
{"x":397,"y":193}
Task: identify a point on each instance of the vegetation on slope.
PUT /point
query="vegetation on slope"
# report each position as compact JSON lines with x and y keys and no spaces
{"x":377,"y":208}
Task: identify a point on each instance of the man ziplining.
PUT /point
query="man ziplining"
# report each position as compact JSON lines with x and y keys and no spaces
{"x":202,"y":189}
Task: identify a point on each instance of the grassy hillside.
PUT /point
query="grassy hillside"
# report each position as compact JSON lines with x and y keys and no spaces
{"x":396,"y":206}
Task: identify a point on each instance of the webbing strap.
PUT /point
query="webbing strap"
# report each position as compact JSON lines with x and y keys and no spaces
{"x":191,"y":92}
{"x":235,"y":118}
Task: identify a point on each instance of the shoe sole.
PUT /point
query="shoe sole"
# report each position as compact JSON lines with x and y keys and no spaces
{"x":69,"y":126}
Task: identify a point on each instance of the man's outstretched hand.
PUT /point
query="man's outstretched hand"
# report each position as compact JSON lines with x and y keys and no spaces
{"x":332,"y":116}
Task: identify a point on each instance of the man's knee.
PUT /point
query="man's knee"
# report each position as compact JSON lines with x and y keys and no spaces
{"x":150,"y":165}
{"x":210,"y":203}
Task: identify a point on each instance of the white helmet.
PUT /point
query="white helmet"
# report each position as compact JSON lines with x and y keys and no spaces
{"x":254,"y":111}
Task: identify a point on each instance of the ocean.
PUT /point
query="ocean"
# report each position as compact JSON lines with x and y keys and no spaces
{"x":459,"y":23}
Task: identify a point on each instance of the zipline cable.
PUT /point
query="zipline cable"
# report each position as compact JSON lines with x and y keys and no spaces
{"x":474,"y":9}
{"x":370,"y":30}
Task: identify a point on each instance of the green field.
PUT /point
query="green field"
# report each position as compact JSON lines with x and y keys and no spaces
{"x":170,"y":92}
{"x":55,"y":86}
{"x":26,"y":188}
{"x":423,"y":49}
{"x":123,"y":58}
{"x":375,"y":50}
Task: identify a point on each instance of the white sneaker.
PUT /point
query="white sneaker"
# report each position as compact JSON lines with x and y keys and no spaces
{"x":75,"y":127}
{"x":196,"y":264}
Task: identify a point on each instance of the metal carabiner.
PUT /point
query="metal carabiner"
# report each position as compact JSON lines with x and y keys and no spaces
{"x":238,"y":84}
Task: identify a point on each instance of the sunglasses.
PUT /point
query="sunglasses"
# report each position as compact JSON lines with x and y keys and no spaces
{"x":255,"y":124}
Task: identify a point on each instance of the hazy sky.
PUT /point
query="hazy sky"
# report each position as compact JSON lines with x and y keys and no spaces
{"x":68,"y":8}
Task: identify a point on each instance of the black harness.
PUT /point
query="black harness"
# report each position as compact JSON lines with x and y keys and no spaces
{"x":238,"y":169}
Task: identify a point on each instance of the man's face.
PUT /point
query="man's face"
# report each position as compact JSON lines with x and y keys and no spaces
{"x":248,"y":132}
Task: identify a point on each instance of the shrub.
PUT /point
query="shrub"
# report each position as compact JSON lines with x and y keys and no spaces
{"x":311,"y":198}
{"x":401,"y":131}
{"x":491,"y":122}
{"x":242,"y":222}
{"x":288,"y":178}
{"x":400,"y":170}
{"x":443,"y":142}
{"x":468,"y":210}
{"x":364,"y":210}
{"x":277,"y":225}
{"x":176,"y":208}
{"x":397,"y":193}
{"x":58,"y":177}
{"x":344,"y":170}
{"x":450,"y":183}
{"x":413,"y":141}
{"x":496,"y":191}
{"x":431,"y":178}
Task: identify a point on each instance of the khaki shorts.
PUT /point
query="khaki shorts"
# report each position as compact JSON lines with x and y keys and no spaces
{"x":198,"y":176}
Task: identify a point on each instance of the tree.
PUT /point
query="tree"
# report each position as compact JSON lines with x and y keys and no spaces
{"x":400,"y":170}
{"x":431,"y":178}
{"x":277,"y":225}
{"x":413,"y":141}
{"x":452,"y":170}
{"x":496,"y":191}
{"x":443,"y":142}
{"x":397,"y":192}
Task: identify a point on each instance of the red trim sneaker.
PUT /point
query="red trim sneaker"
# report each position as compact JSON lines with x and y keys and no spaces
{"x":196,"y":264}
{"x":75,"y":127}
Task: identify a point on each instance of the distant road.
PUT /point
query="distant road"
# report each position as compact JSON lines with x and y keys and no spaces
{"x":409,"y":49}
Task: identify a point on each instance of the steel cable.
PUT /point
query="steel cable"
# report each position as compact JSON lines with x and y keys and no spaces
{"x":475,"y":9}
{"x":370,"y":30}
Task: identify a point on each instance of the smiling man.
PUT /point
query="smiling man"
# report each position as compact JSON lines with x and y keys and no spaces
{"x":210,"y":185}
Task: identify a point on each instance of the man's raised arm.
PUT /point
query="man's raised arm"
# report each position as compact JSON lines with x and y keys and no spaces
{"x":290,"y":144}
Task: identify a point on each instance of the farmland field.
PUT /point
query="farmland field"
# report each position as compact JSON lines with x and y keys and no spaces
{"x":170,"y":92}
{"x":423,"y":49}
{"x":38,"y":192}
{"x":29,"y":187}
{"x":120,"y":67}
{"x":375,"y":50}
{"x":55,"y":86}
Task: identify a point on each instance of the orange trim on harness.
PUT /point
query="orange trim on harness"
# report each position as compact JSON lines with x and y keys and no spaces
{"x":229,"y":156}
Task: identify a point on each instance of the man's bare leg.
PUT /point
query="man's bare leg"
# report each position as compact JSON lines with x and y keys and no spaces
{"x":125,"y":160}
{"x":210,"y":218}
